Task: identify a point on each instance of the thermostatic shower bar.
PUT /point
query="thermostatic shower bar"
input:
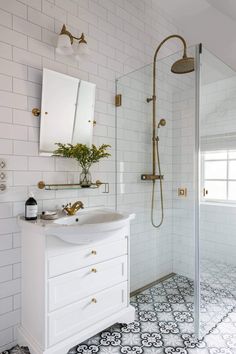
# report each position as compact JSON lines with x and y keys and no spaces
{"x":146,"y":177}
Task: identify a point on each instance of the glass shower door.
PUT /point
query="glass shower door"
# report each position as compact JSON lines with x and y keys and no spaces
{"x":217,"y":226}
{"x":160,"y":257}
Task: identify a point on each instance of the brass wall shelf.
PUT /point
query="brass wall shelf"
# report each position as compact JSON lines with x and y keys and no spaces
{"x":64,"y":186}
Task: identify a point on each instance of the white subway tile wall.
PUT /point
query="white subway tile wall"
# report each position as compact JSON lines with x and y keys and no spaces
{"x":122,"y":36}
{"x":170,"y":247}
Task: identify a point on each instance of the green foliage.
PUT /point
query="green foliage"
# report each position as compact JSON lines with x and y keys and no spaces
{"x":85,"y":155}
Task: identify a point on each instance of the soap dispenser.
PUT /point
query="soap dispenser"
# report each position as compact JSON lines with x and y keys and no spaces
{"x":31,"y":208}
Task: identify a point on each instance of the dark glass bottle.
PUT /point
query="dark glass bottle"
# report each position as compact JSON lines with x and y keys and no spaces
{"x":31,"y":208}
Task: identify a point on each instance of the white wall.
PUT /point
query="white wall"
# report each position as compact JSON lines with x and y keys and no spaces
{"x":122,"y":36}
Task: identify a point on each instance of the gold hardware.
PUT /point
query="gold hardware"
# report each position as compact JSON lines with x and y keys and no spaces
{"x":72,"y":209}
{"x":94,"y":300}
{"x":94,"y":252}
{"x":149,"y":99}
{"x":94,"y":270}
{"x":81,"y":39}
{"x":94,"y":122}
{"x":41,"y":185}
{"x":36,"y":112}
{"x":63,"y":186}
{"x":151,"y":177}
{"x":205,"y":192}
{"x":182,"y":192}
{"x":118,"y":100}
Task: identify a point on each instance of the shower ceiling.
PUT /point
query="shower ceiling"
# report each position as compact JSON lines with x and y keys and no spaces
{"x":211,"y":22}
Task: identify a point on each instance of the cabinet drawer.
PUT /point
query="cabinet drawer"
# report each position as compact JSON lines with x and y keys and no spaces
{"x":71,"y":319}
{"x":86,"y":256}
{"x":71,"y":287}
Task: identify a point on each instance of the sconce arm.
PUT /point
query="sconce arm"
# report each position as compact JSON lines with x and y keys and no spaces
{"x":81,"y":39}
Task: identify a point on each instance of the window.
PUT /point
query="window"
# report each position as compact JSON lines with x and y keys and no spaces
{"x":219,"y":176}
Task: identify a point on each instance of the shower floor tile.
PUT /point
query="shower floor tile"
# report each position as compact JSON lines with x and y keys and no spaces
{"x":164,"y":323}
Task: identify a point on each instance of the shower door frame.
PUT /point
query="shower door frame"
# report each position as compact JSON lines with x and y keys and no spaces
{"x":198,"y":51}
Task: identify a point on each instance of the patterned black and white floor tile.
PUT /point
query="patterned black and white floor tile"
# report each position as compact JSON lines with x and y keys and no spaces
{"x":164,"y":323}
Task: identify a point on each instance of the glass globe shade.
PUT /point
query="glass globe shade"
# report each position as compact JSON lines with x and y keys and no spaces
{"x":64,"y":45}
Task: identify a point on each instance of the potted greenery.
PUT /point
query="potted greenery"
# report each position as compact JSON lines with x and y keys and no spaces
{"x":86,"y":156}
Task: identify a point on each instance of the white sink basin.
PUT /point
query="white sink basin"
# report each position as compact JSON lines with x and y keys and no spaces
{"x":88,"y":226}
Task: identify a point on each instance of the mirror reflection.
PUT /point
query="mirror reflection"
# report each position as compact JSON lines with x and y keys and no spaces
{"x":67,"y":111}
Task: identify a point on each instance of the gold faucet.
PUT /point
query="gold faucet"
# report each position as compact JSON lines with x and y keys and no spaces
{"x":72,"y":209}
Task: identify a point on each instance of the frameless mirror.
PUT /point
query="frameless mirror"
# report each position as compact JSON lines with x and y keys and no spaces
{"x":67,"y":111}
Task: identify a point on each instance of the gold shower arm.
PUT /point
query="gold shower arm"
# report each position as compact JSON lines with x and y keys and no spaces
{"x":153,"y":99}
{"x":166,"y":39}
{"x":157,"y":51}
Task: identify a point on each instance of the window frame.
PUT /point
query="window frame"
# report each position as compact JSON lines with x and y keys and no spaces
{"x":204,"y":198}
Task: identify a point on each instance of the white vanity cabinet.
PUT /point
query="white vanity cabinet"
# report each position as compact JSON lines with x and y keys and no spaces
{"x":70,"y":292}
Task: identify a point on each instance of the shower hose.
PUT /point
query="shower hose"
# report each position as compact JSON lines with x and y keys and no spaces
{"x":161,"y":190}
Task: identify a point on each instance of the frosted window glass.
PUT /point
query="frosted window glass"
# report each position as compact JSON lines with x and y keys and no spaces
{"x":216,"y":190}
{"x":215,"y":169}
{"x":232,"y":191}
{"x":232,"y":169}
{"x":216,"y":155}
{"x":232,"y":154}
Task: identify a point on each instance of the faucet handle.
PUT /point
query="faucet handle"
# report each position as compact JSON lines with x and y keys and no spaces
{"x":65,"y":206}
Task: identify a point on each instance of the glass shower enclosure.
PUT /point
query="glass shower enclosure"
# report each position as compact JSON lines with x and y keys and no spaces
{"x":181,"y":251}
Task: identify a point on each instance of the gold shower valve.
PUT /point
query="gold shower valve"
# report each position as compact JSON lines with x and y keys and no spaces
{"x":149,"y":177}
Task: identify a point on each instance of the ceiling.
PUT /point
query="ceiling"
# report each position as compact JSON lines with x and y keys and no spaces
{"x":210,"y":22}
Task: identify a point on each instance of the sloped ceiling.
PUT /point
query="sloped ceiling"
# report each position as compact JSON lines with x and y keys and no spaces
{"x":210,"y":22}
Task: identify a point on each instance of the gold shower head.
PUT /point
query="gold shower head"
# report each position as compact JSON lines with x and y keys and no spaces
{"x":183,"y":66}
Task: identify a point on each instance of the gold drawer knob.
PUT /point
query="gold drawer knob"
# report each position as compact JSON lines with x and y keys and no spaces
{"x":94,"y":301}
{"x":94,"y":252}
{"x":94,"y":270}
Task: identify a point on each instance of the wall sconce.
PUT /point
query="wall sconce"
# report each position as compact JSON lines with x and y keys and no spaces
{"x":66,"y":45}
